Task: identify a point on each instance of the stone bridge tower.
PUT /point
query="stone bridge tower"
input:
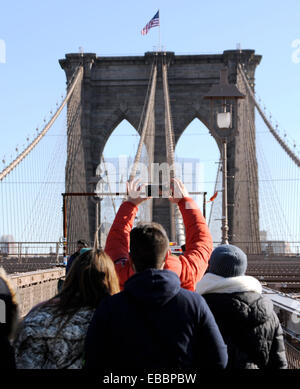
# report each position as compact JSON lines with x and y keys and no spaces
{"x":114,"y":88}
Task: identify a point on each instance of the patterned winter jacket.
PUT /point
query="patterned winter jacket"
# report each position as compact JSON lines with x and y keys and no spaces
{"x":48,"y":341}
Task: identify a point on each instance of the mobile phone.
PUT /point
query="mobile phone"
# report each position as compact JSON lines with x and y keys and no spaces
{"x":154,"y":190}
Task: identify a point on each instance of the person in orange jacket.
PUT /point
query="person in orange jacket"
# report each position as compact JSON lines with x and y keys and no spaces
{"x":191,"y":266}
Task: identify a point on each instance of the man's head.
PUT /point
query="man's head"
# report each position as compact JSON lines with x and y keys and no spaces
{"x":81,"y":243}
{"x":148,"y":246}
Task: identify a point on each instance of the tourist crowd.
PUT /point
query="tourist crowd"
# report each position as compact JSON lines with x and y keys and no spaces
{"x":136,"y":305}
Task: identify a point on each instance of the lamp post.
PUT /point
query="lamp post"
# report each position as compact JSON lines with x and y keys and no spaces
{"x":223,"y":122}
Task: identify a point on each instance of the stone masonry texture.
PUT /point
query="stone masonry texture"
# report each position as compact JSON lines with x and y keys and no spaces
{"x":114,"y":88}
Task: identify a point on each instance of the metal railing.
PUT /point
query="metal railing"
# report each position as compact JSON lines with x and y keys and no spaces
{"x":22,"y":250}
{"x":270,"y":247}
{"x":287,"y":310}
{"x":292,"y":355}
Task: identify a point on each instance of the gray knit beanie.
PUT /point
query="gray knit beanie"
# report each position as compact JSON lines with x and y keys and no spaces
{"x":227,"y":261}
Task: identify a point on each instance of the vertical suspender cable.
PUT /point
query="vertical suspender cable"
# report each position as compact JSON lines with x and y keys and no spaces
{"x":274,"y":201}
{"x":168,"y":123}
{"x":170,"y":147}
{"x":150,"y":107}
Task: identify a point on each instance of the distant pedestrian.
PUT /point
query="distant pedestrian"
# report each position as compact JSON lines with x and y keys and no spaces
{"x":246,"y":319}
{"x":52,"y":335}
{"x":9,"y":314}
{"x":81,"y":243}
{"x":153,"y":322}
{"x":82,"y":246}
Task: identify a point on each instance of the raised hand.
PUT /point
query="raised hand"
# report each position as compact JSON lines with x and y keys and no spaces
{"x":135,"y":192}
{"x":178,"y":191}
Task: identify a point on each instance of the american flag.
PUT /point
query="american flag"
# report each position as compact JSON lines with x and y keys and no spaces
{"x":153,"y":23}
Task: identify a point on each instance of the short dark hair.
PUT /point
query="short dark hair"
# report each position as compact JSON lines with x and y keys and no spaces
{"x":149,"y":244}
{"x":83,"y":242}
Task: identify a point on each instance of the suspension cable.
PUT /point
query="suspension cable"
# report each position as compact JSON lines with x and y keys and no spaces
{"x":291,"y":154}
{"x":168,"y":121}
{"x":150,"y":106}
{"x":170,"y":147}
{"x":13,"y":164}
{"x":273,"y":201}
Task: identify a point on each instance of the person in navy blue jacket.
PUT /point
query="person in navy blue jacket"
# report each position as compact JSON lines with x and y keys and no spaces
{"x":153,"y":322}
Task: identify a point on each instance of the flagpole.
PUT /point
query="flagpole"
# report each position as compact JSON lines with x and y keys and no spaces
{"x":159,"y":32}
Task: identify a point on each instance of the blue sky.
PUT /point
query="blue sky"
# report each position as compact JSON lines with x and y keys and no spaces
{"x":36,"y":34}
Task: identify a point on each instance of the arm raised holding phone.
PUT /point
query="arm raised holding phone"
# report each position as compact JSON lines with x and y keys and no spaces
{"x":189,"y":267}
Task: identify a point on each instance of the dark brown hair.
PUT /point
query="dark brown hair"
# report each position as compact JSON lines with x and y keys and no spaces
{"x":148,"y":246}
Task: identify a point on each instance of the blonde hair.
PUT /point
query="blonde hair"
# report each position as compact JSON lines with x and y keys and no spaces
{"x":92,"y":276}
